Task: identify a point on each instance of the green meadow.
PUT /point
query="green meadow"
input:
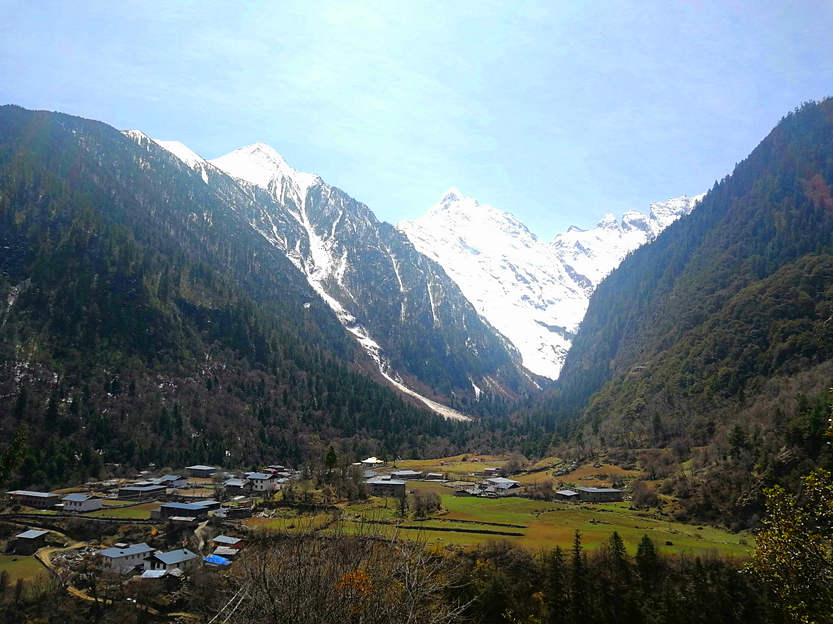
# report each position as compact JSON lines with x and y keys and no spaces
{"x":536,"y":525}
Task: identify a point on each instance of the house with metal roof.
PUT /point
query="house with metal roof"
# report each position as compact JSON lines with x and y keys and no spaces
{"x":380,"y":486}
{"x":198,"y":509}
{"x":81,"y":503}
{"x":405,"y":474}
{"x":141,"y":492}
{"x":237,"y":486}
{"x":566,"y":495}
{"x":599,"y":495}
{"x":263,"y":481}
{"x":201,"y":471}
{"x":125,"y":558}
{"x":502,"y":483}
{"x":171,"y":481}
{"x":225,"y":551}
{"x":28,"y":542}
{"x":227,"y":540}
{"x":181,"y":558}
{"x":31,"y":498}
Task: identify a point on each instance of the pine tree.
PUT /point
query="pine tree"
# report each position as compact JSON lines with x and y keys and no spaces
{"x":556,"y":588}
{"x":579,"y":595}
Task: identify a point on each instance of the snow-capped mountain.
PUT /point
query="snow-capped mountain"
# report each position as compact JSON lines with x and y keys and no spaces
{"x":400,"y":306}
{"x":591,"y":254}
{"x":533,"y":292}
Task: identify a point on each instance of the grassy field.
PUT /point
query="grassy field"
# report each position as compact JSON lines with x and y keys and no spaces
{"x":138,"y":512}
{"x":587,"y":475}
{"x":539,"y":524}
{"x":19,"y":567}
{"x":457,"y":465}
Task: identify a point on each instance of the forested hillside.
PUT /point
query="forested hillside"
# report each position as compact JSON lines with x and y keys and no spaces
{"x":716,"y":339}
{"x":144,"y":321}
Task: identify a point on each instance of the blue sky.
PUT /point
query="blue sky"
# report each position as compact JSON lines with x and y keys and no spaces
{"x":555,"y":111}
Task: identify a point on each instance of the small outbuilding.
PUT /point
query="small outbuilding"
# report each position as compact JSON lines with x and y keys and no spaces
{"x":171,"y":481}
{"x":198,"y":510}
{"x":235,"y":486}
{"x":406,"y":474}
{"x":566,"y":495}
{"x":502,"y":483}
{"x":200,"y":471}
{"x":386,"y":487}
{"x":225,"y":551}
{"x":599,"y":495}
{"x":228,"y":541}
{"x":216,"y":561}
{"x":28,"y":542}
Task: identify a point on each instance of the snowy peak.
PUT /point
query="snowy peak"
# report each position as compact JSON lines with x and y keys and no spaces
{"x":452,"y":196}
{"x":479,"y":222}
{"x":181,"y":151}
{"x":596,"y":252}
{"x":608,"y":222}
{"x":535,"y":294}
{"x":510,"y":277}
{"x":664,"y":213}
{"x":260,"y":165}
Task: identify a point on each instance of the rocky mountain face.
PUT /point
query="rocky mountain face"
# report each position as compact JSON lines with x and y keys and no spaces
{"x":400,"y":306}
{"x":144,"y":319}
{"x":535,"y":293}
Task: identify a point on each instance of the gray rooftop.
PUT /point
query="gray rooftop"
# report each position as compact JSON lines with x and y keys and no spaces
{"x":567,"y":493}
{"x":175,"y":556}
{"x":226,"y":539}
{"x":381,"y":481}
{"x":135,"y":549}
{"x":502,"y":482}
{"x":77,"y":497}
{"x":597,"y":490}
{"x":225,"y":551}
{"x":142,"y":488}
{"x":259,"y":476}
{"x":199,"y":506}
{"x":168,"y":478}
{"x":31,"y":493}
{"x":201,"y":467}
{"x":31,"y":534}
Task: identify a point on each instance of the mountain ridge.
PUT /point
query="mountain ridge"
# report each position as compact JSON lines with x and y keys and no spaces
{"x":330,"y":237}
{"x":535,"y":293}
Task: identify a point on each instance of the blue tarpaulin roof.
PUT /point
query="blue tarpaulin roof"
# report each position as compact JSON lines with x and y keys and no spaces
{"x":217,"y":560}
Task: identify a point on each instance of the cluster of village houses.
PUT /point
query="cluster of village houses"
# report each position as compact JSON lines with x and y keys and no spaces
{"x":492,"y":484}
{"x":151,"y":563}
{"x":141,"y":558}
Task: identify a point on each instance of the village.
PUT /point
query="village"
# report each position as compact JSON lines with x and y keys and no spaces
{"x":183,"y":504}
{"x":150,"y":532}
